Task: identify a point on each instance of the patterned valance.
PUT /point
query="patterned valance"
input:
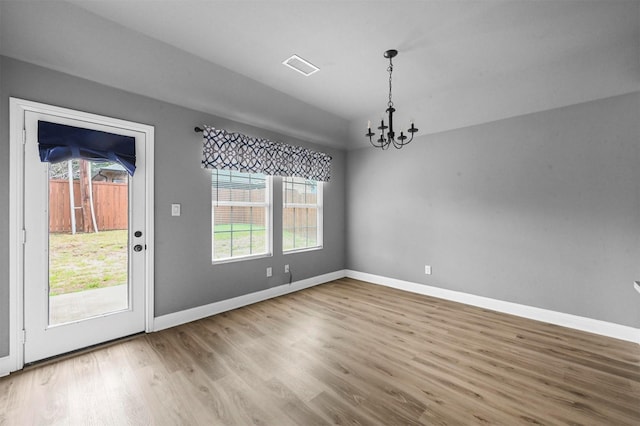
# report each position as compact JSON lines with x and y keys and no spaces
{"x":234,"y":151}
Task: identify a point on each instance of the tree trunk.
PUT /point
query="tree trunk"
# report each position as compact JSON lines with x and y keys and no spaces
{"x":84,"y":196}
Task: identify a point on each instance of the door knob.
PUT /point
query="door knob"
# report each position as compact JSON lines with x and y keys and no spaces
{"x":137,"y":247}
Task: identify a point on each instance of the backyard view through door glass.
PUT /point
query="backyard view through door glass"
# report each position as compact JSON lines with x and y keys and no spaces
{"x":88,"y":240}
{"x":240,"y":214}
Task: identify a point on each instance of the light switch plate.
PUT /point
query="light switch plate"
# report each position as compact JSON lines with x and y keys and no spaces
{"x":175,"y":209}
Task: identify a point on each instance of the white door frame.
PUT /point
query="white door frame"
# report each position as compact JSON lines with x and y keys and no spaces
{"x":17,"y":109}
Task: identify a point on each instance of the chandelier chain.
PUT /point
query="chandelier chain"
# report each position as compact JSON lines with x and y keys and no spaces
{"x":390,"y":69}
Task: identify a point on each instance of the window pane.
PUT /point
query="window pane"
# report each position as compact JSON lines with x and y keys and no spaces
{"x":241,"y":243}
{"x":258,"y":241}
{"x":300,"y":224}
{"x":299,"y":193}
{"x":312,"y":236}
{"x":312,"y":197}
{"x":287,"y":195}
{"x":239,"y":229}
{"x":288,"y":217}
{"x":222,"y":218}
{"x":257,"y":194}
{"x":287,"y":238}
{"x":312,"y":217}
{"x":222,"y":245}
{"x":236,"y":186}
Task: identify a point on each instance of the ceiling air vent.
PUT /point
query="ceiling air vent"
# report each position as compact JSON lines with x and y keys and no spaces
{"x":305,"y":68}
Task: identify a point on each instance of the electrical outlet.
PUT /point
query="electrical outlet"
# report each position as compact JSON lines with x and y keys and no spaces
{"x":175,"y":209}
{"x":269,"y":271}
{"x":286,"y":269}
{"x":427,"y":269}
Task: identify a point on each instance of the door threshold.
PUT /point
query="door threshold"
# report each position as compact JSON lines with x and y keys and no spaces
{"x":82,"y":351}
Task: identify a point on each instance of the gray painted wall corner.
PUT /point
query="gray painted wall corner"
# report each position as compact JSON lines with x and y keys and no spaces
{"x":540,"y":210}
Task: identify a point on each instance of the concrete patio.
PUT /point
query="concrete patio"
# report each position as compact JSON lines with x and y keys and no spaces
{"x":86,"y":304}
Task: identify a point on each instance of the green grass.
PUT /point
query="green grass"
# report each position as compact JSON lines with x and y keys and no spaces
{"x":87,"y":261}
{"x":301,"y":241}
{"x":242,"y":240}
{"x":245,"y":240}
{"x":237,"y":227}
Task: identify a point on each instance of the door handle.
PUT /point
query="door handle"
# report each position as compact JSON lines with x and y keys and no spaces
{"x":137,"y":247}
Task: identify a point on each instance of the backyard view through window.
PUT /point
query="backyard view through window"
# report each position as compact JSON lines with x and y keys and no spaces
{"x":88,"y":239}
{"x":241,"y":214}
{"x":301,"y":214}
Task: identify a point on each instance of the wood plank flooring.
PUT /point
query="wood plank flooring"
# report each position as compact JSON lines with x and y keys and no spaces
{"x":345,"y":352}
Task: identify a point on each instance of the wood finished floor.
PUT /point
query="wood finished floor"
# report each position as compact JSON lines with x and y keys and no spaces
{"x":345,"y":352}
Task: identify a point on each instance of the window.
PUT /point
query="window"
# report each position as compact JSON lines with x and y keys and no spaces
{"x":301,"y":214}
{"x":241,"y":215}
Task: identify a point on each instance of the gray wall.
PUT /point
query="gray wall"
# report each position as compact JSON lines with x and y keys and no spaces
{"x":542,"y":210}
{"x":184,"y":276}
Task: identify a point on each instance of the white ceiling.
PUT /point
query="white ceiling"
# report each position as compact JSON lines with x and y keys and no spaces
{"x":460,"y":63}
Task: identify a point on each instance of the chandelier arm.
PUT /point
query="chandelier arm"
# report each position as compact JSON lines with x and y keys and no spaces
{"x":378,"y":144}
{"x":409,"y":141}
{"x":413,"y":130}
{"x":405,"y":142}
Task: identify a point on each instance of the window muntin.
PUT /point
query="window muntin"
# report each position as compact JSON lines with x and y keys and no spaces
{"x":241,"y":215}
{"x":301,"y":214}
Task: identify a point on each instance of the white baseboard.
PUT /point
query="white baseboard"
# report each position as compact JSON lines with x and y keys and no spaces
{"x":6,"y":364}
{"x":590,"y":325}
{"x":182,"y":317}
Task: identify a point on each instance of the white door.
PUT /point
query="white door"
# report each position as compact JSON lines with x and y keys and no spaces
{"x":89,"y":287}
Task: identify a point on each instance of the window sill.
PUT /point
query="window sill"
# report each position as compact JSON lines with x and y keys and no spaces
{"x":240,"y":258}
{"x":303,"y":250}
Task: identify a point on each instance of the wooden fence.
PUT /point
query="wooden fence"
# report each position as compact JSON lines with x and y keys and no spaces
{"x":299,"y":217}
{"x":110,"y":201}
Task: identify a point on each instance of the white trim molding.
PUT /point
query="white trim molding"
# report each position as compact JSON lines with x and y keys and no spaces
{"x":6,"y":366}
{"x":199,"y":312}
{"x":590,"y":325}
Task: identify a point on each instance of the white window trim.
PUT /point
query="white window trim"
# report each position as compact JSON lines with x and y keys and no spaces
{"x":268,"y":222}
{"x":319,"y":218}
{"x":302,"y":250}
{"x":241,"y":258}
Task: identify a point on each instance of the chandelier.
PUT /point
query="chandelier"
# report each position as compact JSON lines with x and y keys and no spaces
{"x":390,"y":138}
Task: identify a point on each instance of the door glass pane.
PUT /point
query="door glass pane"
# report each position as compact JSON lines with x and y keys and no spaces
{"x":88,"y":240}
